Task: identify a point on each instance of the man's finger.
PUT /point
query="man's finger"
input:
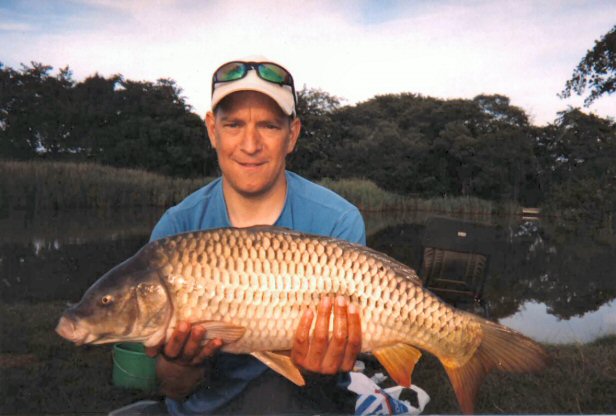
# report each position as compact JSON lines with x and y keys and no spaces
{"x":207,"y":351}
{"x":353,"y":346}
{"x":337,"y":344}
{"x":155,"y":350}
{"x":320,"y":338}
{"x":193,"y":344}
{"x":301,"y":341}
{"x":178,"y":338}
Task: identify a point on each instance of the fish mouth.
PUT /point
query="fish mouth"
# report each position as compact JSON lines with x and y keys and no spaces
{"x":78,"y":333}
{"x":69,"y":329}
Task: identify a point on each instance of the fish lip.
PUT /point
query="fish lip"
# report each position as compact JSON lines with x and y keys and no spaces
{"x":69,"y":329}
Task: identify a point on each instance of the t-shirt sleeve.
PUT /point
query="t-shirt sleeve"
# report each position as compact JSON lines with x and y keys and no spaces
{"x":351,"y":227}
{"x":165,"y":227}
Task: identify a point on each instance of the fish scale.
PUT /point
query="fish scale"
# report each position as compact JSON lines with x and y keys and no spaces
{"x":286,"y":269}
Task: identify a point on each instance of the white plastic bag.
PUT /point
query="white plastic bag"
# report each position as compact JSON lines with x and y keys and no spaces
{"x":373,"y":400}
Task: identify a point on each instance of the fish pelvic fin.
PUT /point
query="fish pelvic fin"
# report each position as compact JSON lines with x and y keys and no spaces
{"x":227,"y":332}
{"x":399,"y":360}
{"x":282,"y":364}
{"x":500,"y":348}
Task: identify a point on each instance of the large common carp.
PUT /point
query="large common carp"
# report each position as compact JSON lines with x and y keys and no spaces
{"x":251,"y":286}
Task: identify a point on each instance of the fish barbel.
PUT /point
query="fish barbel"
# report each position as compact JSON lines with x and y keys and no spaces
{"x":251,"y":286}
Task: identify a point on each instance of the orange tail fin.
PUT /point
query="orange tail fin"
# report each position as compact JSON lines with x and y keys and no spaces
{"x":500,"y":348}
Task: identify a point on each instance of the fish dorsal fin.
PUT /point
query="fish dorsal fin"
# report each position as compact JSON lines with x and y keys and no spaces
{"x":227,"y":332}
{"x":282,"y":364}
{"x":399,"y":360}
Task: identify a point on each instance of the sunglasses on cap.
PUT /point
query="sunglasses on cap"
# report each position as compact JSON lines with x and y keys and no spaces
{"x":267,"y":71}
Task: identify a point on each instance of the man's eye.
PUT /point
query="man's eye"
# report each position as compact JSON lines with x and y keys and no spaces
{"x":272,"y":126}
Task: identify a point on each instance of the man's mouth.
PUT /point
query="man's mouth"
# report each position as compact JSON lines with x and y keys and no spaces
{"x":251,"y":165}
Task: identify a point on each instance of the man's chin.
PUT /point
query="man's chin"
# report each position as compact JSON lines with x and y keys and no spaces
{"x":251,"y":188}
{"x":250,"y":184}
{"x":255,"y":191}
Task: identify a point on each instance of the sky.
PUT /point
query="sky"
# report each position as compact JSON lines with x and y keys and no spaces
{"x":354,"y":50}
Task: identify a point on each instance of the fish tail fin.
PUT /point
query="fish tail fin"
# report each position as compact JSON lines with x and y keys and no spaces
{"x":500,"y":348}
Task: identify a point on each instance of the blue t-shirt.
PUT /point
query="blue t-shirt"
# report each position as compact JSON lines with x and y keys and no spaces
{"x":309,"y":208}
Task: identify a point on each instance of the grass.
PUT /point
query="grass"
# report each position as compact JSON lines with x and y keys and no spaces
{"x":60,"y":185}
{"x":41,"y":373}
{"x":581,"y":379}
{"x":61,"y":378}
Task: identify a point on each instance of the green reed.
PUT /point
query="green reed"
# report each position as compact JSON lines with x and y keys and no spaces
{"x":60,"y":185}
{"x":369,"y":197}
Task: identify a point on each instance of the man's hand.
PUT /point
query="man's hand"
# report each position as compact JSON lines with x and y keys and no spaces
{"x":178,"y":368}
{"x":323,"y":355}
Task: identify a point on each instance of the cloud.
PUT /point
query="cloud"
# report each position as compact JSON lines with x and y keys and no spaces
{"x":15,"y":27}
{"x":525,"y":49}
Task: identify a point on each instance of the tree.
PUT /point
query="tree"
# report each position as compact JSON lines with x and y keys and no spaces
{"x":580,"y":152}
{"x":151,"y":128}
{"x":584,"y":146}
{"x":498,"y":108}
{"x":596,"y":71}
{"x":504,"y":157}
{"x":33,"y":105}
{"x":107,"y":120}
{"x":314,"y":147}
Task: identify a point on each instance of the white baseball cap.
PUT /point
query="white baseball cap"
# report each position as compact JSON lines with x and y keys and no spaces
{"x":282,"y":93}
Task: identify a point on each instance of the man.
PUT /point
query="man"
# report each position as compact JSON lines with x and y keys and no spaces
{"x":253,"y":126}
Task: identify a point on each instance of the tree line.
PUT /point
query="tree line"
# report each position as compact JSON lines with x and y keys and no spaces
{"x":108,"y":120}
{"x":406,"y":143}
{"x":482,"y":147}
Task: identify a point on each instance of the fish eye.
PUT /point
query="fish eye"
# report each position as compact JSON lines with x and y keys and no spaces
{"x":107,"y":299}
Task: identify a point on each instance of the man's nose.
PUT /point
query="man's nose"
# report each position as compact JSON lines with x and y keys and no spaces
{"x":251,"y":142}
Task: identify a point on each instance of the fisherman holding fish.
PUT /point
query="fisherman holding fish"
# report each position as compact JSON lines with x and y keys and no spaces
{"x":251,"y":291}
{"x":253,"y":126}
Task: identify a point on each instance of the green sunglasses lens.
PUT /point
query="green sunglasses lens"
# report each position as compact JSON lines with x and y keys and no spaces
{"x":274,"y":73}
{"x":231,"y":72}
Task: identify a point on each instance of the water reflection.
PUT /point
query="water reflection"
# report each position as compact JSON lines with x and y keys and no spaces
{"x":537,"y":277}
{"x":75,"y":227}
{"x":535,"y":320}
{"x":59,"y":255}
{"x":554,"y":287}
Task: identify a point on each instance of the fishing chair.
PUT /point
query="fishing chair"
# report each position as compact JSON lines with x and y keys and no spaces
{"x":453,"y":273}
{"x":454,"y":264}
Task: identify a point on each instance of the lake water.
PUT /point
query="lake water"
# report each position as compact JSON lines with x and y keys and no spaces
{"x":554,"y":286}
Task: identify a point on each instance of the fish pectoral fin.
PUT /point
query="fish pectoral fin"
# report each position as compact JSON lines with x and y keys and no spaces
{"x":282,"y":364}
{"x":227,"y":332}
{"x":399,"y":360}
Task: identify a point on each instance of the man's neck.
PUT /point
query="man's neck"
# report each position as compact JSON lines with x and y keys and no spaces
{"x":249,"y":210}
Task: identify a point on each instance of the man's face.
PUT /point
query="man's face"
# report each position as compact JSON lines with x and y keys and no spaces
{"x":252,"y":138}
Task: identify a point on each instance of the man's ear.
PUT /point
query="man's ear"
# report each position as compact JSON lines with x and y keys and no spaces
{"x":296,"y":128}
{"x":210,"y":124}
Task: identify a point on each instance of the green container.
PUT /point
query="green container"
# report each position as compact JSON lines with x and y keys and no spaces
{"x":132,"y":368}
